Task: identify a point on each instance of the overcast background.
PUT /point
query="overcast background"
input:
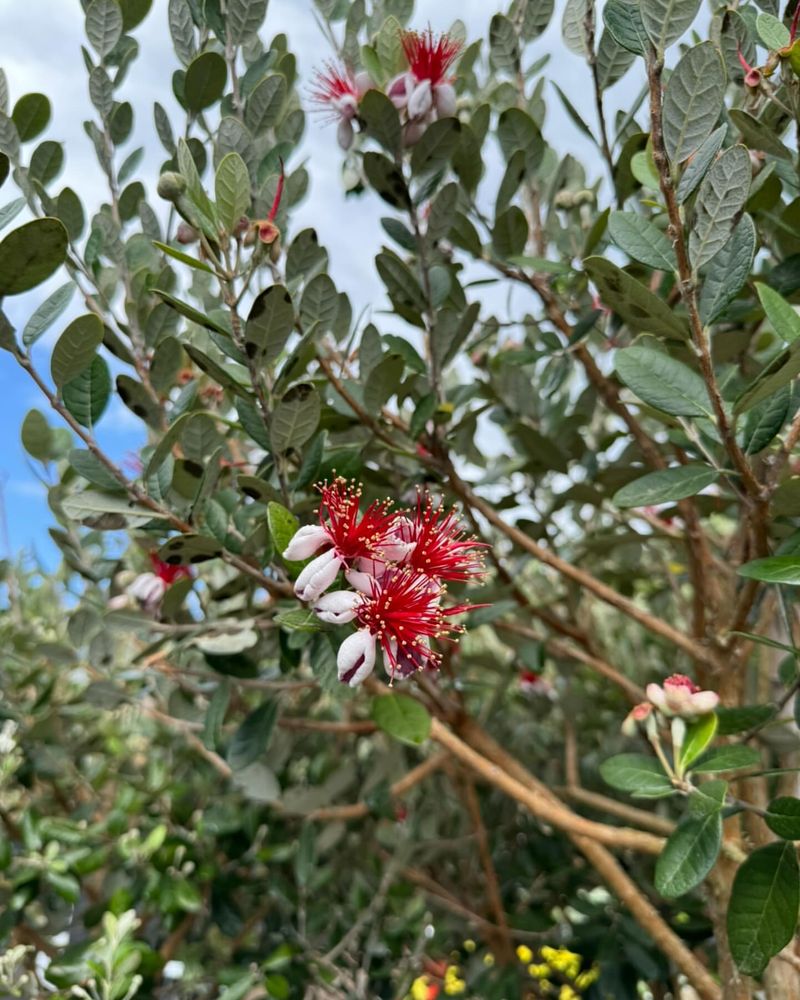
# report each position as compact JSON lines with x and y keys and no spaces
{"x":40,"y":51}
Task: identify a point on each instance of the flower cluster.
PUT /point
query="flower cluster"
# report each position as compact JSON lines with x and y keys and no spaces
{"x":678,"y":697}
{"x":558,"y":963}
{"x":149,"y":588}
{"x":398,"y":566}
{"x":423,"y":92}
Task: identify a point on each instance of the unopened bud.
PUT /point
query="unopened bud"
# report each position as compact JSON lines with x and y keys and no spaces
{"x":171,"y":185}
{"x":186,"y":234}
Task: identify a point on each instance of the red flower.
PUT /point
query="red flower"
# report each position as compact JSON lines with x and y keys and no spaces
{"x":345,"y":535}
{"x":166,"y":573}
{"x":402,"y":613}
{"x":429,"y":57}
{"x":441,"y":548}
{"x":336,"y":92}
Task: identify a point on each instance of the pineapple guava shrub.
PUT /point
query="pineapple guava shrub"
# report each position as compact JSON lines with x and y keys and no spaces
{"x":445,"y":644}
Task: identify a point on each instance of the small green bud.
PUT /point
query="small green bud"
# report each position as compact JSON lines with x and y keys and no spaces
{"x":171,"y":185}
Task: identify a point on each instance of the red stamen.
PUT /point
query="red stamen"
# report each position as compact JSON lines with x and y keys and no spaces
{"x":278,"y":194}
{"x":441,"y":549}
{"x":429,"y":57}
{"x":164,"y":571}
{"x":352,"y":536}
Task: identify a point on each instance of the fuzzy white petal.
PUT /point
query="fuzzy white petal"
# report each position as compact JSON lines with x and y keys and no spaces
{"x":704,"y":702}
{"x":398,"y":89}
{"x":315,"y":579}
{"x":345,"y":133}
{"x":655,"y":694}
{"x":337,"y":608}
{"x":364,"y":581}
{"x":305,"y":542}
{"x":355,"y":660}
{"x":444,"y":100}
{"x":421,"y":100}
{"x":363,"y":82}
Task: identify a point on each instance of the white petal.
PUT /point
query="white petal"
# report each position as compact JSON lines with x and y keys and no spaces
{"x":444,"y":100}
{"x":365,"y":582}
{"x":397,"y":91}
{"x":337,"y":608}
{"x":347,"y":107}
{"x":345,"y":133}
{"x":148,"y":588}
{"x":704,"y":702}
{"x":317,"y":576}
{"x":397,"y":551}
{"x":356,"y":658}
{"x":305,"y":542}
{"x":655,"y":694}
{"x":363,"y":82}
{"x":421,"y":100}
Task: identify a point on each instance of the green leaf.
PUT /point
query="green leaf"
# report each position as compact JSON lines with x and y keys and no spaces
{"x":773,"y":569}
{"x":251,"y":739}
{"x":92,"y":469}
{"x":695,"y":169}
{"x":637,"y":774}
{"x":205,"y":81}
{"x":299,"y":620}
{"x":725,"y":274}
{"x":573,"y":27}
{"x":765,"y":421}
{"x":637,"y":305}
{"x":758,"y":134}
{"x":720,"y":201}
{"x":785,"y":321}
{"x":727,"y":758}
{"x":613,"y":60}
{"x":666,"y":486}
{"x":762,"y":913}
{"x":244,"y":18}
{"x":184,"y":258}
{"x":783,"y":817}
{"x":386,"y":179}
{"x":30,"y":254}
{"x":693,"y":100}
{"x":402,"y":717}
{"x":662,"y":382}
{"x":777,"y":373}
{"x":436,"y":147}
{"x":517,"y":130}
{"x":232,"y":190}
{"x":282,"y":525}
{"x":708,"y":798}
{"x":47,"y":313}
{"x":134,"y":12}
{"x":269,"y":325}
{"x":46,"y":161}
{"x":503,"y":45}
{"x":381,"y":120}
{"x":75,"y":348}
{"x":265,"y":104}
{"x":91,"y":503}
{"x":295,"y":418}
{"x":624,"y":20}
{"x":37,"y":436}
{"x":104,"y":25}
{"x":510,"y":232}
{"x":189,"y":550}
{"x":666,"y":20}
{"x":532,"y":16}
{"x":642,"y":240}
{"x":87,"y":395}
{"x":190,"y":312}
{"x":319,"y":304}
{"x":739,"y":720}
{"x":772,"y":31}
{"x":699,"y":735}
{"x":10,"y":211}
{"x":688,"y":855}
{"x":31,"y":114}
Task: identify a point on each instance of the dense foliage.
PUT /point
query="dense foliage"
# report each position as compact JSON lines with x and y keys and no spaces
{"x":208,"y":787}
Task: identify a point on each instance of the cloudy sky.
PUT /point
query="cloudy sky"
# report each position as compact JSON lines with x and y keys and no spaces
{"x":40,"y":51}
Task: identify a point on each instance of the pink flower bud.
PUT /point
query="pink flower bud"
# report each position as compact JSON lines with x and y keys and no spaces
{"x":681,"y":696}
{"x":444,"y":100}
{"x":639,"y":713}
{"x":421,"y":100}
{"x":337,"y":608}
{"x":355,"y":660}
{"x":315,"y":578}
{"x":305,"y":542}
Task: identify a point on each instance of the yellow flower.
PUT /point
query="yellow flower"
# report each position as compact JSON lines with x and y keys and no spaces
{"x":585,"y":979}
{"x":539,"y":971}
{"x":524,"y":954}
{"x":567,"y":993}
{"x":563,"y":960}
{"x":419,"y":988}
{"x":453,"y":987}
{"x":469,"y":946}
{"x":488,"y":959}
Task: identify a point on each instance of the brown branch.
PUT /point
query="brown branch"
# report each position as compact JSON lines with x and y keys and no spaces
{"x":502,"y":942}
{"x":637,"y":817}
{"x":360,"y":810}
{"x":588,"y":582}
{"x":607,"y":867}
{"x":540,"y":801}
{"x":327,"y":726}
{"x":562,"y":649}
